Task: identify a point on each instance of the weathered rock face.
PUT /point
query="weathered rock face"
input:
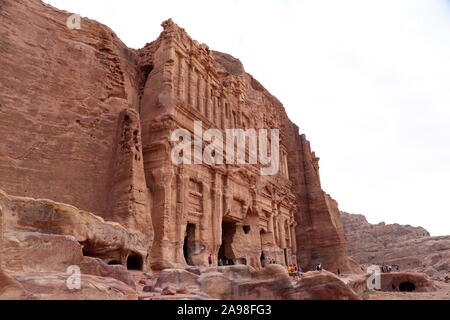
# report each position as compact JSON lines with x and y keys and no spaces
{"x":246,"y":283}
{"x":188,"y":83}
{"x":411,"y":248}
{"x":25,"y":219}
{"x":41,"y":239}
{"x":68,"y":115}
{"x":85,"y":120}
{"x":53,"y":286}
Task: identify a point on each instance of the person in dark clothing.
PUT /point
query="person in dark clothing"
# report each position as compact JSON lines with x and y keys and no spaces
{"x":210,"y":260}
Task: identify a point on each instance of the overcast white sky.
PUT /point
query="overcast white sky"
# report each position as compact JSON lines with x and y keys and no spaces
{"x":367,"y":81}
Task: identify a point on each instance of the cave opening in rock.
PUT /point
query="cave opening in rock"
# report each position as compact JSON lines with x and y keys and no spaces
{"x":226,"y":249}
{"x":114,"y":262}
{"x":189,"y":243}
{"x":145,"y":72}
{"x":88,"y":249}
{"x":134,"y":262}
{"x":407,"y":286}
{"x":146,"y":69}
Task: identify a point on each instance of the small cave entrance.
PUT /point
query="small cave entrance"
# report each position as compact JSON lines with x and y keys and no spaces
{"x":146,"y":69}
{"x":226,"y":250}
{"x":88,"y":249}
{"x":145,"y":72}
{"x":114,"y":262}
{"x":407,"y":286}
{"x":135,"y":262}
{"x":189,"y":243}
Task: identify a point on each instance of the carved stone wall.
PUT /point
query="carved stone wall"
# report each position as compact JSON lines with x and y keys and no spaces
{"x":194,"y":85}
{"x":87,"y":121}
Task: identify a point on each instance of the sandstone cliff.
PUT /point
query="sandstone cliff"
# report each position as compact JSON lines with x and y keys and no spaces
{"x":68,"y":115}
{"x":411,"y":248}
{"x":85,"y":120}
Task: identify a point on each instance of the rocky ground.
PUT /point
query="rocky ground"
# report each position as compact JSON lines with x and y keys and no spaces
{"x":41,"y":239}
{"x":411,"y":248}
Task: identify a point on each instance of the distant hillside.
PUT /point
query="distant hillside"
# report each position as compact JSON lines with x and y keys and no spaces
{"x":412,"y":248}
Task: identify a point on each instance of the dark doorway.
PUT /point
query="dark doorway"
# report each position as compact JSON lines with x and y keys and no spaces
{"x":226,"y":250}
{"x":263,"y":258}
{"x":114,"y":262}
{"x":407,"y":287}
{"x":189,"y":243}
{"x":285,"y":257}
{"x":134,"y":262}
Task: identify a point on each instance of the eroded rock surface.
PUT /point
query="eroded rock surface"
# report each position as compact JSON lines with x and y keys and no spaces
{"x":411,"y":248}
{"x":236,"y":283}
{"x":24,"y":216}
{"x":87,"y":121}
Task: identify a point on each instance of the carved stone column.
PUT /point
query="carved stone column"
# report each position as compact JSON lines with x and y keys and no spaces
{"x":192,"y":88}
{"x":293,"y":240}
{"x":163,"y":250}
{"x":207,"y":104}
{"x":217,"y":209}
{"x":275,"y":228}
{"x":182,"y":79}
{"x":283,"y":243}
{"x":205,"y":221}
{"x":200,"y":94}
{"x":181,"y":213}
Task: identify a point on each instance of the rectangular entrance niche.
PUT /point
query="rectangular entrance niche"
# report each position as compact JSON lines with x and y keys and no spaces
{"x":189,"y":245}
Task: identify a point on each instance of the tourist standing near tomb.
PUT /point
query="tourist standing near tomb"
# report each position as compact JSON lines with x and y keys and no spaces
{"x":210,"y":260}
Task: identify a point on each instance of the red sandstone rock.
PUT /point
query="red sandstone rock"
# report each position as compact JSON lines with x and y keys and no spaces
{"x":216,"y":285}
{"x":183,"y":291}
{"x":64,"y":97}
{"x":10,"y":288}
{"x":169,"y":291}
{"x":272,"y":282}
{"x":322,"y":285}
{"x":86,"y":121}
{"x":148,"y":289}
{"x":107,"y":240}
{"x":53,"y":286}
{"x":37,"y":252}
{"x":96,"y":266}
{"x":411,"y":248}
{"x":406,"y":281}
{"x":176,"y":277}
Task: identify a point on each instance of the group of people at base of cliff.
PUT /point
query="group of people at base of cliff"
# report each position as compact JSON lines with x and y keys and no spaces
{"x":389,"y":268}
{"x":292,"y":269}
